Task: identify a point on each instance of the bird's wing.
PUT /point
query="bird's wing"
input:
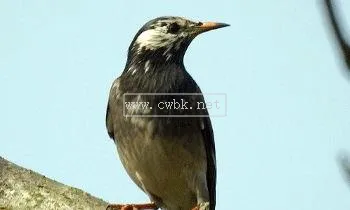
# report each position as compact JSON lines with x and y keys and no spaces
{"x":109,"y":113}
{"x":208,"y":137}
{"x":109,"y":122}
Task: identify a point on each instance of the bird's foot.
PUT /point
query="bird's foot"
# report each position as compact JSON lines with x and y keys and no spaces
{"x":202,"y":206}
{"x":143,"y":206}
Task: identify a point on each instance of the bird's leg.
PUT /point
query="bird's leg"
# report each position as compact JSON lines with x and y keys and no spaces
{"x":202,"y":206}
{"x":142,"y":206}
{"x":196,"y":208}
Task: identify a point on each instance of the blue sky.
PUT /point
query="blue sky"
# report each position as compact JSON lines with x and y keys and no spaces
{"x":288,"y":100}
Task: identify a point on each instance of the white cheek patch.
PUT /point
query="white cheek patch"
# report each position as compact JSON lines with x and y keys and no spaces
{"x":153,"y":39}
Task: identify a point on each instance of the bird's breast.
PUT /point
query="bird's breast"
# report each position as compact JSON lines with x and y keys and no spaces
{"x":165,"y":161}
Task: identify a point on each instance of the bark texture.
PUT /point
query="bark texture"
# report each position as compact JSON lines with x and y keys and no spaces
{"x":21,"y":188}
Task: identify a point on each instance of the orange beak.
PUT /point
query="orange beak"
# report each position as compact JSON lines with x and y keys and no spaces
{"x":208,"y":26}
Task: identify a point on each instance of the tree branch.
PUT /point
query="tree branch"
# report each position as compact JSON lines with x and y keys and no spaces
{"x":344,"y":162}
{"x":24,"y":189}
{"x":334,"y":21}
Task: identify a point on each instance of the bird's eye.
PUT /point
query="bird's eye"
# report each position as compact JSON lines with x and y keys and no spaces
{"x":173,"y":28}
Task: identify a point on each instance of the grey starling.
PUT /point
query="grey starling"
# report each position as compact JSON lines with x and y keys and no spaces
{"x":168,"y":152}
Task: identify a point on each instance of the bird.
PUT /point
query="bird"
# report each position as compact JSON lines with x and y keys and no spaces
{"x":168,"y":152}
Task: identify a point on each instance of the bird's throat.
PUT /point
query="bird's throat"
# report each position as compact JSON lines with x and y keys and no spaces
{"x":153,"y":76}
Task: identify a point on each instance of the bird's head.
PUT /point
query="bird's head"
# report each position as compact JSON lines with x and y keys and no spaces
{"x":167,"y":38}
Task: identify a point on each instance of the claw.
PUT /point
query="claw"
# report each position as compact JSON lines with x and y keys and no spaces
{"x":202,"y":206}
{"x":131,"y":206}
